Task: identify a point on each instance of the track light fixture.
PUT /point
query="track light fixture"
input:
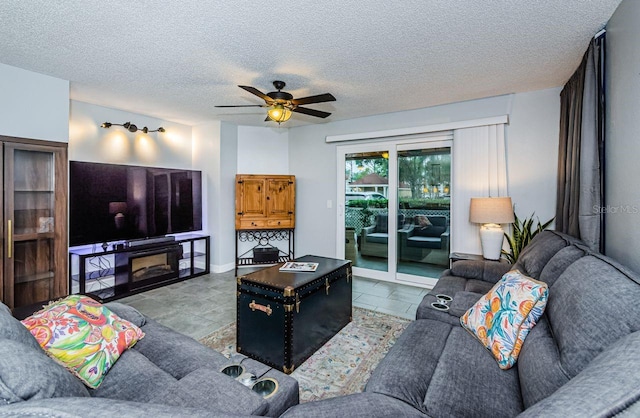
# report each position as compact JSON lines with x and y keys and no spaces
{"x":131,"y":127}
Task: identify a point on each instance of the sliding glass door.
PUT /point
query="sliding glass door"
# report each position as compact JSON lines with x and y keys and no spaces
{"x":424,"y":200}
{"x":395,"y":210}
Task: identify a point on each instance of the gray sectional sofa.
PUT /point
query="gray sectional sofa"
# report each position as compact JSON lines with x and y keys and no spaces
{"x":581,"y":359}
{"x":164,"y":374}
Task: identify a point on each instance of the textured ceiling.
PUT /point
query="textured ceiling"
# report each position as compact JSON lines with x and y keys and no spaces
{"x":176,"y":60}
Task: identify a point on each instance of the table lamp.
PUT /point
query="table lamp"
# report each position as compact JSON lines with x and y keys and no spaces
{"x":491,"y":212}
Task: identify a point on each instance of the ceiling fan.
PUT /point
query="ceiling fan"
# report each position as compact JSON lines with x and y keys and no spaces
{"x":281,"y":104}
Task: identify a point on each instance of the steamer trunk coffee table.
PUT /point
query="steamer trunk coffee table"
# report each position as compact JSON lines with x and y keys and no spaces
{"x":284,"y":317}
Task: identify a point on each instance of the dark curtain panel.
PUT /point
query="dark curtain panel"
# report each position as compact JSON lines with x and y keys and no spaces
{"x":568,"y":198}
{"x":599,"y":55}
{"x":580,"y":202}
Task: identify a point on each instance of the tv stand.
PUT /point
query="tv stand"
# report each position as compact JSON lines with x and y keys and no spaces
{"x":128,"y":269}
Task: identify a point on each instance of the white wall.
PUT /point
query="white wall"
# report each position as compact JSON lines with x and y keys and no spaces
{"x":622,"y":170}
{"x":532,"y":152}
{"x":263,"y":150}
{"x":214,"y":153}
{"x":33,"y":105}
{"x":89,"y":142}
{"x":532,"y":132}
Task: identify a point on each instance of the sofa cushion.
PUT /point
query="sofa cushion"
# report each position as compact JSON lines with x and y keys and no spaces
{"x":559,"y":263}
{"x":467,"y":383}
{"x":83,"y":335}
{"x":127,"y":312}
{"x":503,"y":317}
{"x":176,"y":353}
{"x":539,"y":366}
{"x":485,"y":270}
{"x":609,"y":386}
{"x":133,"y":378}
{"x":462,"y":302}
{"x":535,"y":256}
{"x":604,"y":309}
{"x":357,"y":405}
{"x":12,"y":329}
{"x":468,"y":289}
{"x":209,"y":389}
{"x":26,"y":372}
{"x":407,"y":369}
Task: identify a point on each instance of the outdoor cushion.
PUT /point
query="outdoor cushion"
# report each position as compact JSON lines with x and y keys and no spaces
{"x":429,"y":231}
{"x":502,"y":318}
{"x":378,"y":237}
{"x":424,"y":242}
{"x":82,"y":335}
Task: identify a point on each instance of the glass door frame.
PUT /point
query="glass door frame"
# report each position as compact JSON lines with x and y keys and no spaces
{"x":392,"y":146}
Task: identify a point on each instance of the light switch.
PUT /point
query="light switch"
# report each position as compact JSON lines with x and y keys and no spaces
{"x":329,"y":204}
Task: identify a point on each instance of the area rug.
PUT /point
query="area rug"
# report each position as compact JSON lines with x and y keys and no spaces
{"x":341,"y":366}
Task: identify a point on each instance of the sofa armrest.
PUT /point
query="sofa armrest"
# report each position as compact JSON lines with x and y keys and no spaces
{"x":368,"y":230}
{"x":103,"y":408}
{"x":210,"y":389}
{"x":444,"y":239}
{"x":488,"y":271}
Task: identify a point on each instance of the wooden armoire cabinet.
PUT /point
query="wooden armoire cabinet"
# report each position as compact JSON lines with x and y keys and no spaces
{"x":34,"y":221}
{"x":265,"y":201}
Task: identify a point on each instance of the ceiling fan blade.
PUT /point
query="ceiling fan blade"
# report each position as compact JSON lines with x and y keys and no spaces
{"x":319,"y":98}
{"x":257,"y":92}
{"x":311,"y":112}
{"x":242,"y":106}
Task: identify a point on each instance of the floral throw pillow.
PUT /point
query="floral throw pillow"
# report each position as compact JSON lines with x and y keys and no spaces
{"x":502,"y":318}
{"x":82,"y":335}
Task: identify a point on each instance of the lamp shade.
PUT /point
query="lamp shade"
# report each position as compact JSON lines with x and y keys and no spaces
{"x":491,"y":210}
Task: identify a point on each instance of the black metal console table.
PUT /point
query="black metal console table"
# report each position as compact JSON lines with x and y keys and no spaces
{"x":107,"y":274}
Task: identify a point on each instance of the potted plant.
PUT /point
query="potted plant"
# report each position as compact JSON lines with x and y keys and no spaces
{"x":523,"y":232}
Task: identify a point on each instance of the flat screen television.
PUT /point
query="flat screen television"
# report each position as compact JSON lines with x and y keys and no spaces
{"x":113,"y":202}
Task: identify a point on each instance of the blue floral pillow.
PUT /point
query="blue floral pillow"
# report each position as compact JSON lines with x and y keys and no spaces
{"x":502,"y":318}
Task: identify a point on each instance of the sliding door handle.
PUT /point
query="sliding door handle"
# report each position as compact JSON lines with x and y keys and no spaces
{"x":9,"y":239}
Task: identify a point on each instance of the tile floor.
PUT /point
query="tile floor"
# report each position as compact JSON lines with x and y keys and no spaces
{"x":201,"y":305}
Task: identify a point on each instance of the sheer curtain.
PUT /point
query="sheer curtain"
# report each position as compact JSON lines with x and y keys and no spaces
{"x":479,"y":169}
{"x":581,"y":150}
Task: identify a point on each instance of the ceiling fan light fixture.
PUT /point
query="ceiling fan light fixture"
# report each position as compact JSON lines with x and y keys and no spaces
{"x":279,"y":113}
